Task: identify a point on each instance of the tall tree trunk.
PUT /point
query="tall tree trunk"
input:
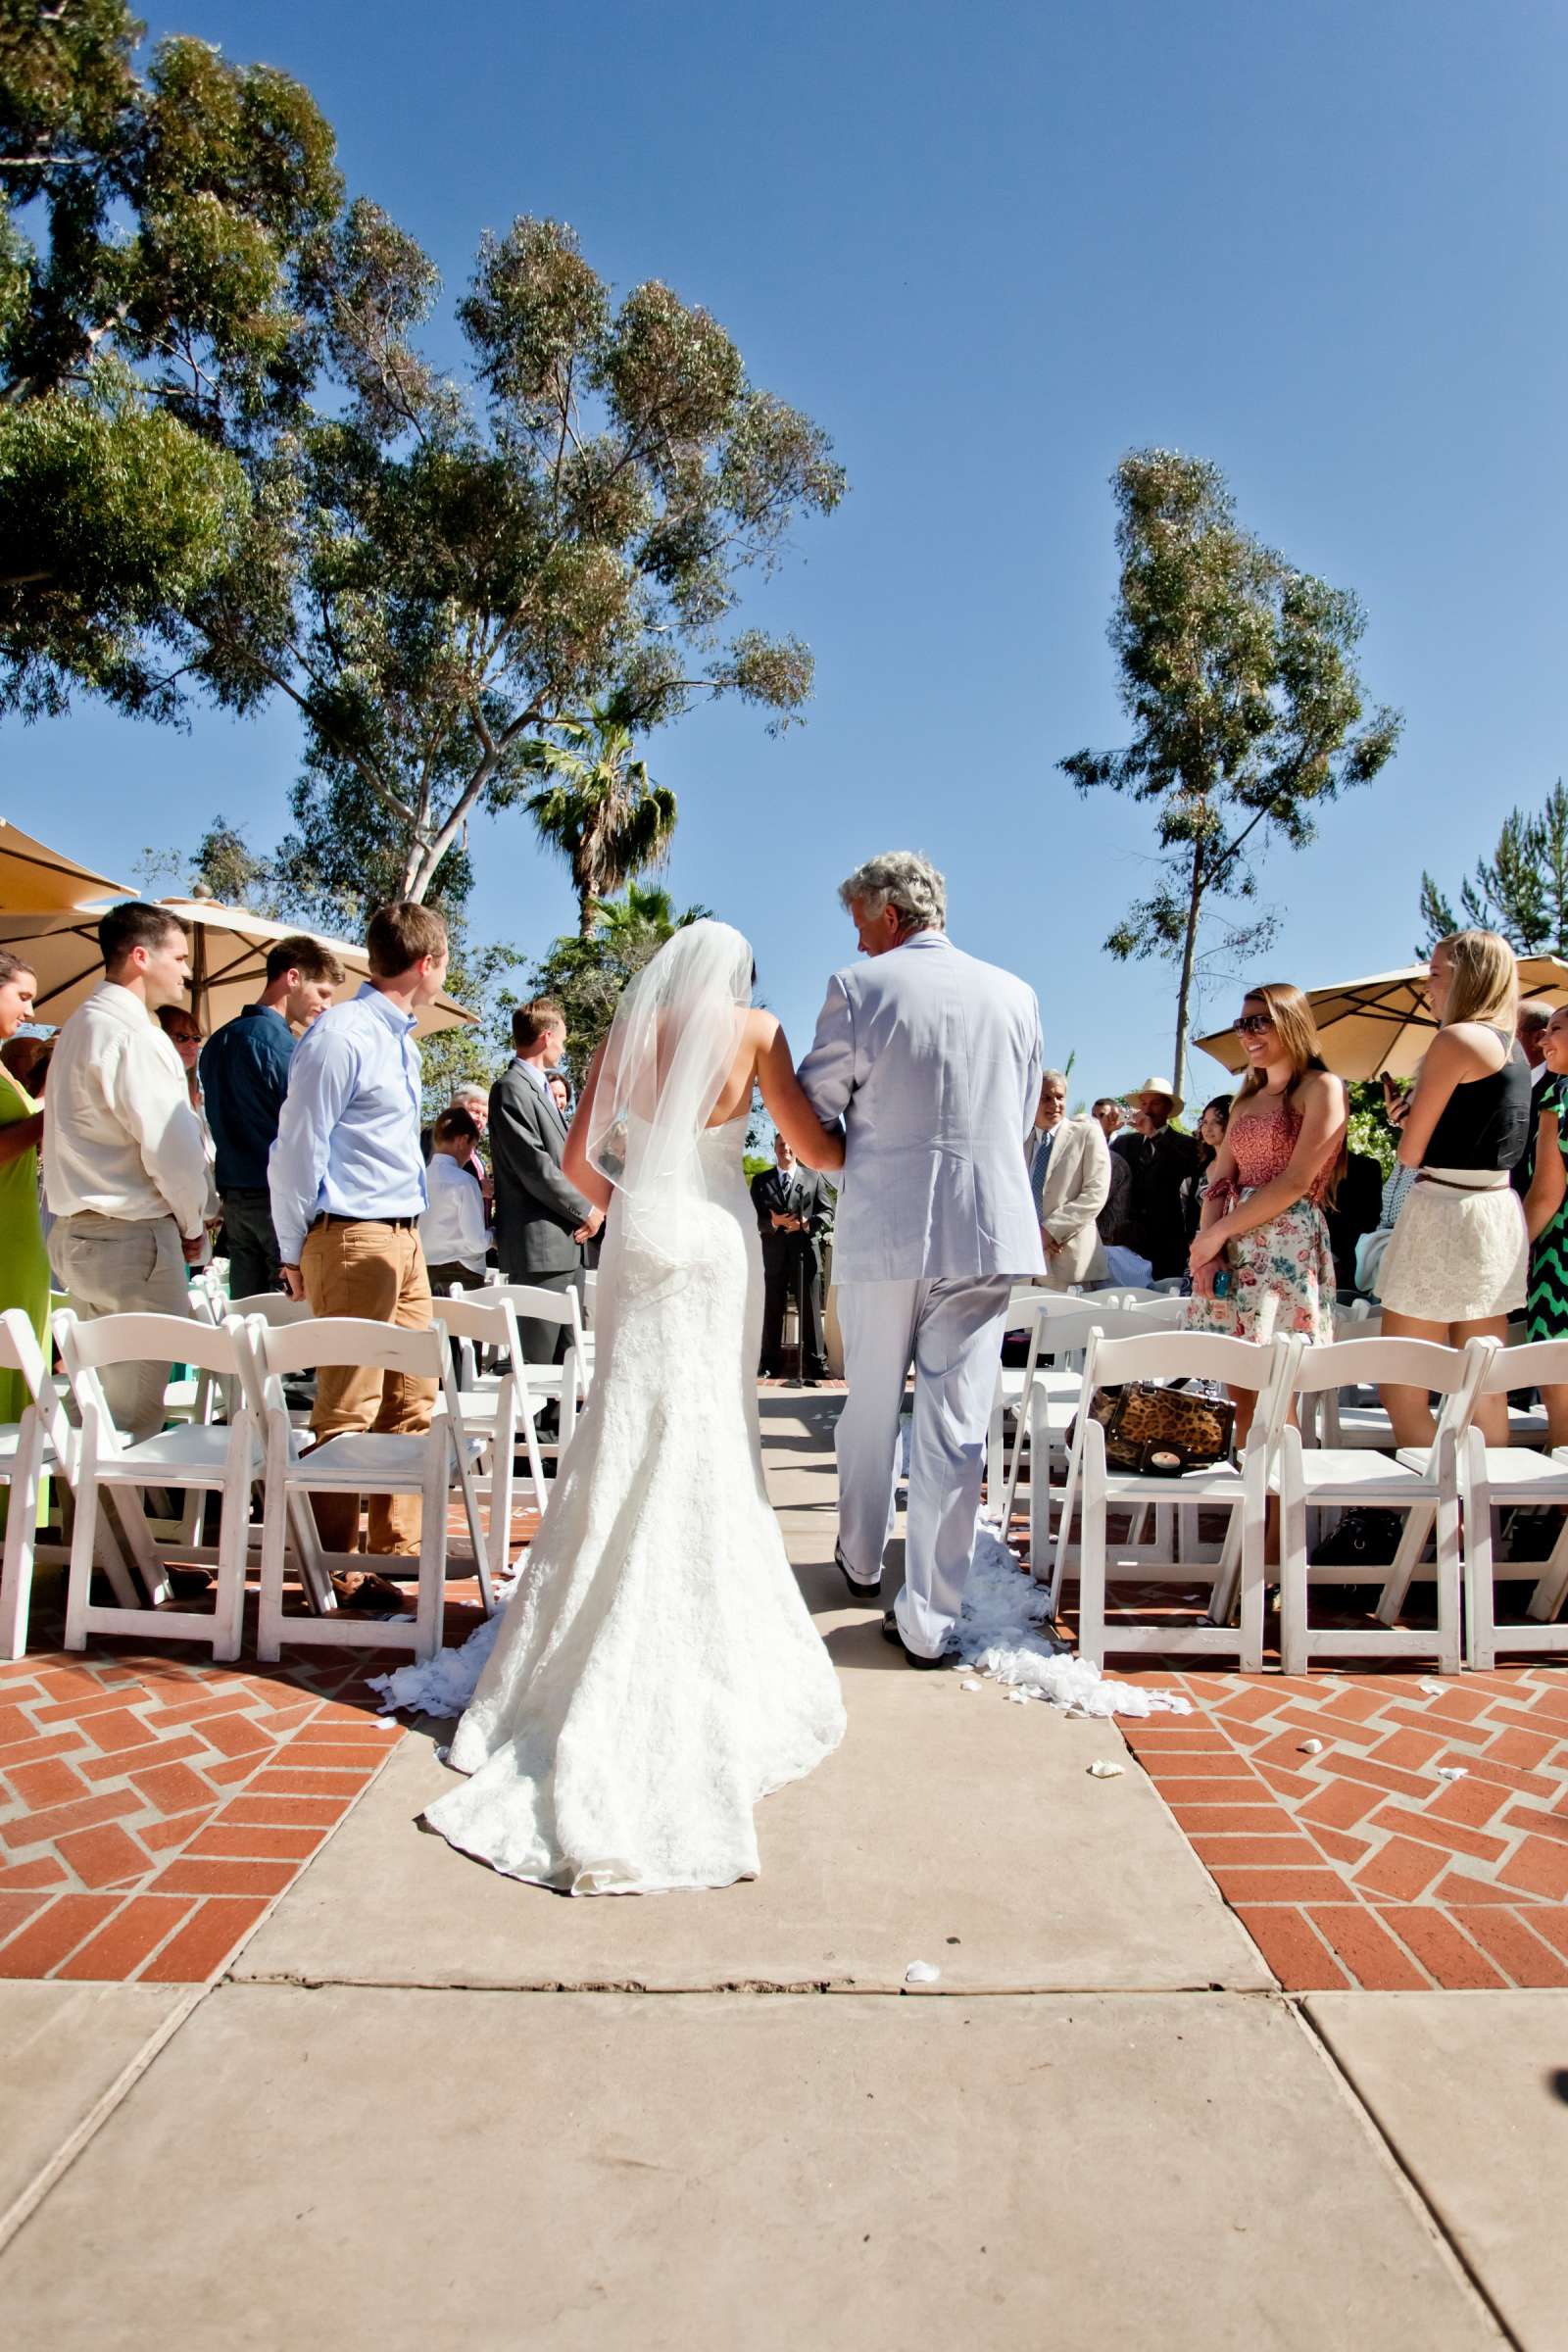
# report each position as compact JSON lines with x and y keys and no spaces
{"x":587,"y":914}
{"x":1194,"y":902}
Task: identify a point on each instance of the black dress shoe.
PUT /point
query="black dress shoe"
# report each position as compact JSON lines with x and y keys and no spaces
{"x":911,"y":1657}
{"x":857,"y":1590}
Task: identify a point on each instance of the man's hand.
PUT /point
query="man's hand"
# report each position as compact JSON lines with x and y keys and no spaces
{"x":1051,"y":1247}
{"x":590,"y":1225}
{"x":192,"y":1246}
{"x":293,"y":1281}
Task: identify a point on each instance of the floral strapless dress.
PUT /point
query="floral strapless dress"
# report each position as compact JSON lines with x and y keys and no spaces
{"x":1282,"y":1273}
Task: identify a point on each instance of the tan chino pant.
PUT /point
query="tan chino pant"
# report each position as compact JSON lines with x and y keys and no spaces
{"x":377,"y":1271}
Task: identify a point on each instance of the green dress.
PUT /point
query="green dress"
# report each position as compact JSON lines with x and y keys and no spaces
{"x":24,"y":1259}
{"x":1548,"y":1259}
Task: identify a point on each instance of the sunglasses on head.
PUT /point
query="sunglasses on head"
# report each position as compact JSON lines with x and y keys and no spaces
{"x":1252,"y":1024}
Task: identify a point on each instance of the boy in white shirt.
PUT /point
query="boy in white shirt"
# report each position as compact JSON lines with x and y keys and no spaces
{"x":452,"y":1233}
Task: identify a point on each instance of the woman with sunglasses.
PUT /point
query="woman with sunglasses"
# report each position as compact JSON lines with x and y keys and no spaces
{"x":1456,"y":1266}
{"x":1263,"y":1222}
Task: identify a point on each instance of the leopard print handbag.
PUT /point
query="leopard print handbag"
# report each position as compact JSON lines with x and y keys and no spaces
{"x":1160,"y":1430}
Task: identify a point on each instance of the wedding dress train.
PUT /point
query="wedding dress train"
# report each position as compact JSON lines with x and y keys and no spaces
{"x":656,"y":1671}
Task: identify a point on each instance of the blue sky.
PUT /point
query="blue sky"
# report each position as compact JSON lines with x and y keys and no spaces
{"x":990,"y":249}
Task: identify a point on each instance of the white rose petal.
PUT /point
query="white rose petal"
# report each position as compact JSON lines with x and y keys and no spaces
{"x":1099,"y":1770}
{"x":921,"y":1972}
{"x":1310,"y":1748}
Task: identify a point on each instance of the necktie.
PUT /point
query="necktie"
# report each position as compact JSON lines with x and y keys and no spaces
{"x":1038,"y":1167}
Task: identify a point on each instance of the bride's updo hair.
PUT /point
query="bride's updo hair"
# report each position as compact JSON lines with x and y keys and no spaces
{"x":903,"y":879}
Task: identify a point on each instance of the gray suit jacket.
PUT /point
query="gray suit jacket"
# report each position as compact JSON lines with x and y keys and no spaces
{"x":932,"y":1059}
{"x":1077,"y":1186}
{"x":536,"y":1209}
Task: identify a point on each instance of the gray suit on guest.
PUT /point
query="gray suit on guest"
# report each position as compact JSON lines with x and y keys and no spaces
{"x":536,"y":1210}
{"x":933,"y":1061}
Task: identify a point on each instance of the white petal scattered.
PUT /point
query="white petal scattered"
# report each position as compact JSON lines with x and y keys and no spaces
{"x":445,"y":1686}
{"x":921,"y":1972}
{"x":1309,"y":1747}
{"x":1099,"y":1770}
{"x":970,"y":1683}
{"x":1002,"y":1636}
{"x":1430,"y":1690}
{"x":1453,"y":1772}
{"x":1016,"y":1698}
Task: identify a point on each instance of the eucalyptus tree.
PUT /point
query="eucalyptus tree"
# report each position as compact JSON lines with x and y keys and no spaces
{"x":444,"y":574}
{"x":1239,"y":677}
{"x":155,"y":333}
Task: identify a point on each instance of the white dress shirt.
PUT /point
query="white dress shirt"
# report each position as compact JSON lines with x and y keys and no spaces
{"x":121,"y":1138}
{"x":452,"y":1230}
{"x":348,"y":1136}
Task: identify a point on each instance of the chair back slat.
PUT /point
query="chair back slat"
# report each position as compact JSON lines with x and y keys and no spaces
{"x":1401,"y":1363}
{"x":1179,"y":1355}
{"x":273,"y":1306}
{"x":103,"y":1341}
{"x":1533,"y":1364}
{"x":333,"y":1340}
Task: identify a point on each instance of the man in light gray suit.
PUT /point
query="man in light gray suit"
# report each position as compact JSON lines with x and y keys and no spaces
{"x":933,"y":1062}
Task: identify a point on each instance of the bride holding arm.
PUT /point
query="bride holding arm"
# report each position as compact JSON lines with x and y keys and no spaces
{"x":656,"y":1671}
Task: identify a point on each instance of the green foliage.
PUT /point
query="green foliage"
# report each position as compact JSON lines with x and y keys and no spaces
{"x":600,"y":808}
{"x":586,"y":975}
{"x":445,"y":577}
{"x":154,"y":234}
{"x":1369,"y":1129}
{"x":1521,"y":890}
{"x":1238,"y":675}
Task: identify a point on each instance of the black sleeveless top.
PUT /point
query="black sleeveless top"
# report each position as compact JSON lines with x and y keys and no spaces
{"x":1486,"y":1121}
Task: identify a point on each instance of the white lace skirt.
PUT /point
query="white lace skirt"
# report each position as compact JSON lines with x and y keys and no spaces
{"x":1456,"y":1256}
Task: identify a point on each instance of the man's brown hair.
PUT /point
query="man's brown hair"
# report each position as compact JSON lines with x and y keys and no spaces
{"x":400,"y":936}
{"x":531,"y":1021}
{"x":308,"y":956}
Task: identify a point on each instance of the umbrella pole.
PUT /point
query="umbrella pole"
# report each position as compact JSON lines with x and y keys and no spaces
{"x":198,"y":974}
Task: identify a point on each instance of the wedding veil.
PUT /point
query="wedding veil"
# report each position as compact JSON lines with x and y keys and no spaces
{"x":671,"y":1047}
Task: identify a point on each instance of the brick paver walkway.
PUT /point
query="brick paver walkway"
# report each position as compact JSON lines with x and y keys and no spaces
{"x":1362,"y":1864}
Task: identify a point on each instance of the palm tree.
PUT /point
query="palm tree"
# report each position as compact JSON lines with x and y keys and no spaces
{"x":598,"y":808}
{"x":646,"y":911}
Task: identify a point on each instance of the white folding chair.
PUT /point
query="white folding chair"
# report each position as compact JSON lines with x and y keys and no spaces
{"x":197,"y":1456}
{"x":1514,"y":1477}
{"x":1053,"y":1400}
{"x":1422,"y":1482}
{"x":478,"y":1319}
{"x":369,"y":1461}
{"x":567,"y":1382}
{"x":41,"y":1441}
{"x":275,"y":1309}
{"x":1238,"y":1488}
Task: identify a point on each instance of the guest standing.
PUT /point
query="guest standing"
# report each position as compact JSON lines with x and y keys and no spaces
{"x":244,"y":1073}
{"x":792,"y":1206}
{"x":1547,"y":1215}
{"x":452,"y":1233}
{"x":1112,"y":1218}
{"x":1069,"y":1181}
{"x":541,"y":1220}
{"x":348,"y":1192}
{"x":1262,"y":1215}
{"x":23,"y":1264}
{"x":124,"y":1157}
{"x":1159,"y":1156}
{"x":1529,"y":1028}
{"x":1213,"y":1119}
{"x":1456,"y":1266}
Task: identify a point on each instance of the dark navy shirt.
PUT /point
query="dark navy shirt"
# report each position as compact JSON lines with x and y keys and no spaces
{"x":244,"y":1074}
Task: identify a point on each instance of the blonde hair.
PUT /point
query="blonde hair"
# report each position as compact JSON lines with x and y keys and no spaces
{"x":1484,"y":982}
{"x":1292,"y":1015}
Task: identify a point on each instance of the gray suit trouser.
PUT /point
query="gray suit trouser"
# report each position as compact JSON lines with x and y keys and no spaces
{"x":547,"y":1342}
{"x":952,"y":1333}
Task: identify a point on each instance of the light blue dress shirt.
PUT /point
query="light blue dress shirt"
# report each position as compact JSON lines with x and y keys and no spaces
{"x":348,"y":1139}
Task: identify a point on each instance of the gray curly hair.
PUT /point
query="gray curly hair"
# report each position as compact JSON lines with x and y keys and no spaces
{"x":903,"y":879}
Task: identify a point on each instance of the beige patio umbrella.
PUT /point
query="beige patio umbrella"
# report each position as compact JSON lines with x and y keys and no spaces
{"x":35,"y":879}
{"x":228,"y":960}
{"x":1385,"y":1022}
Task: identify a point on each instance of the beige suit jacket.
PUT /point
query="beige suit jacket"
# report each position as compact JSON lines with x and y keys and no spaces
{"x":1077,"y":1188}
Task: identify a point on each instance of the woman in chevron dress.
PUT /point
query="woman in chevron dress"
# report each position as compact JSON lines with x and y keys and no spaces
{"x":1547,"y":1214}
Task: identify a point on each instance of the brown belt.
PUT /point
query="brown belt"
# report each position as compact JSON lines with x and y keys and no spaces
{"x":329,"y":1218}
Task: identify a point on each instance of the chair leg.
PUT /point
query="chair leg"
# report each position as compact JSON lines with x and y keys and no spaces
{"x":1254,"y":1515}
{"x":1546,"y":1600}
{"x":22,"y":1512}
{"x":84,"y":1529}
{"x":1295,"y":1633}
{"x":1406,"y":1560}
{"x":275,"y":1521}
{"x":1091,"y":1577}
{"x":431,"y":1593}
{"x":1480,"y":1597}
{"x":1450,"y":1645}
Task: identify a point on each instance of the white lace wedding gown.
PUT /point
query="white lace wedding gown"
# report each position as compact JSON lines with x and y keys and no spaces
{"x":657,"y":1670}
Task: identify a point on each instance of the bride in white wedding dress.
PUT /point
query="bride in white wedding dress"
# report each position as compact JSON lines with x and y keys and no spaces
{"x":657,"y":1672}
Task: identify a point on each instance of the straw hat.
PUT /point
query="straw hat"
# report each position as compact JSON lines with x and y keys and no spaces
{"x":1155,"y":1086}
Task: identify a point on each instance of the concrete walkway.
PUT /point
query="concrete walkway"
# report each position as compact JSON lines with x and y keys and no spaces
{"x":427,"y":2104}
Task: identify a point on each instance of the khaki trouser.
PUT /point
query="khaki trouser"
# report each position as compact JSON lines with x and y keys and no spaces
{"x":112,"y":1266}
{"x":377,"y":1271}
